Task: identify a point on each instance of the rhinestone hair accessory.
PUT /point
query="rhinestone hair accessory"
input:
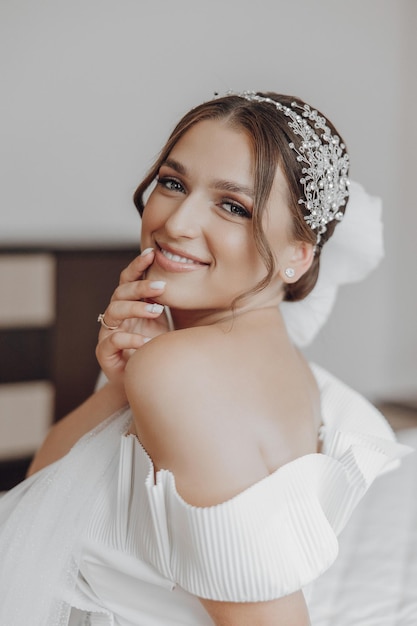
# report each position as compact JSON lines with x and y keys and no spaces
{"x":325,"y":162}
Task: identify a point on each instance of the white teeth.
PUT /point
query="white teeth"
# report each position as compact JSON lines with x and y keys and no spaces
{"x":176,"y":257}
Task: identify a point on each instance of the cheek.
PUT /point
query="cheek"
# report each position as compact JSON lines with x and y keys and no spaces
{"x":242,"y":254}
{"x":149,"y":220}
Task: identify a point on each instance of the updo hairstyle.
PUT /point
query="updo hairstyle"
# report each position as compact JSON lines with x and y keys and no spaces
{"x":270,"y":135}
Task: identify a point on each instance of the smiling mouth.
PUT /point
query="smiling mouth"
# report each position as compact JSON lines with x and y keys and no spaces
{"x":177,"y":258}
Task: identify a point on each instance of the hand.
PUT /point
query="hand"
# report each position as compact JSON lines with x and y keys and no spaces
{"x":136,"y":320}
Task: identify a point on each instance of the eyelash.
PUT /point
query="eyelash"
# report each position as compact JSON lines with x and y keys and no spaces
{"x":177,"y":186}
{"x":241,"y":211}
{"x":165,"y":180}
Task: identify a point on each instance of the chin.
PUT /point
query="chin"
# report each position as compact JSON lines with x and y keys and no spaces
{"x":153,"y":273}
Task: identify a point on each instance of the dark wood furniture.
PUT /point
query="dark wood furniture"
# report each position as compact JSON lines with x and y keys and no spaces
{"x":64,"y":352}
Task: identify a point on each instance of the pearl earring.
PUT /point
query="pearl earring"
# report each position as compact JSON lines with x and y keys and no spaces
{"x":289,"y":272}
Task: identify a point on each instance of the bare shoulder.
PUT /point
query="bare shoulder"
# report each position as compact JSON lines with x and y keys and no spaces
{"x":189,"y":414}
{"x":171,"y":363}
{"x":178,"y":341}
{"x":169,"y":379}
{"x":220,"y":409}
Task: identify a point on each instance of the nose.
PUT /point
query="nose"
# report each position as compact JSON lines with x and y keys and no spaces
{"x":186,"y":218}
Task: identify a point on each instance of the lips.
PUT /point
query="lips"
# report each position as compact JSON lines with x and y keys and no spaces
{"x":173,"y":259}
{"x":176,"y":257}
{"x":179,"y":256}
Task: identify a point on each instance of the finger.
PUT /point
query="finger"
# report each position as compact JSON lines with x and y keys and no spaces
{"x":117,"y":341}
{"x":121,"y":310}
{"x":128,"y":295}
{"x":112,"y":351}
{"x":107,"y":324}
{"x":136,"y":268}
{"x":138,"y":290}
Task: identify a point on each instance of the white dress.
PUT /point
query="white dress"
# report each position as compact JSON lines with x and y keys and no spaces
{"x":100,"y":538}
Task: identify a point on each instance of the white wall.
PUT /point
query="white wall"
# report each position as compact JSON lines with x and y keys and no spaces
{"x":90,"y":89}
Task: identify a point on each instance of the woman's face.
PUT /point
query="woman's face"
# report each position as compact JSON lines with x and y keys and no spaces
{"x":198,"y":220}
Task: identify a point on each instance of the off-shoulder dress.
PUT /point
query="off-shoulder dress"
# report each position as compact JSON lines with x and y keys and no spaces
{"x":101,"y":538}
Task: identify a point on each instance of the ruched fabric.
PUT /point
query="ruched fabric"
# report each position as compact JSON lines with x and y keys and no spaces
{"x":143,"y":555}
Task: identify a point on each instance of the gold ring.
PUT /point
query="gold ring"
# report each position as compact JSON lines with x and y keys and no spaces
{"x":103,"y":322}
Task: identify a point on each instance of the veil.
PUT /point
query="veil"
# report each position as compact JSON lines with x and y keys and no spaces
{"x":353,"y":251}
{"x":42,"y":521}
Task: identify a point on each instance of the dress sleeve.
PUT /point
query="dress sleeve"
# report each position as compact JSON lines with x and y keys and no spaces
{"x":263,"y":544}
{"x":280,"y":534}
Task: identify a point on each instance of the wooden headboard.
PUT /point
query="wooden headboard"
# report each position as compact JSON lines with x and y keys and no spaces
{"x":47,"y":350}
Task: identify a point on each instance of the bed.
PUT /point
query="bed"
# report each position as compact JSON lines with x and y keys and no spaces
{"x":374,"y":580}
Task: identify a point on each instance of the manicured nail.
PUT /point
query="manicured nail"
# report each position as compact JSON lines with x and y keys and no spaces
{"x":154,"y":308}
{"x":146,"y":251}
{"x":157,"y":284}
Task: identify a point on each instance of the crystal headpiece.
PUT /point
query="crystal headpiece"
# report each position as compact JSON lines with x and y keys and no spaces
{"x":324,"y":158}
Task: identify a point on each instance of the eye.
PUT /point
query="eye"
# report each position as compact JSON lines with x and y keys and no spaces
{"x":235,"y":209}
{"x":172,"y":184}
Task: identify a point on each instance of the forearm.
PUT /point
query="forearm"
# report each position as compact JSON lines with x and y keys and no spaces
{"x":65,"y":433}
{"x":287,"y":611}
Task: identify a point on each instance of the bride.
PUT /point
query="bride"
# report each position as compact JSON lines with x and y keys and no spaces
{"x":206,"y":482}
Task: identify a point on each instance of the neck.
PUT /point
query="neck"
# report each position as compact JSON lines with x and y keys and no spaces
{"x":183,"y":318}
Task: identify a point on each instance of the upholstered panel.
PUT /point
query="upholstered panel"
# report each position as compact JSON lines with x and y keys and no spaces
{"x":49,"y":302}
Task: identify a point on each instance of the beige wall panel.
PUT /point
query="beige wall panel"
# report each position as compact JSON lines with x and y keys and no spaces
{"x":25,"y":416}
{"x":27,"y":290}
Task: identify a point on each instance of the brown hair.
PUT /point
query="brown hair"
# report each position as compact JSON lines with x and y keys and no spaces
{"x":270,"y":135}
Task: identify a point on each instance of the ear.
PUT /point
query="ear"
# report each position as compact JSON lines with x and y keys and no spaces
{"x":297,"y":256}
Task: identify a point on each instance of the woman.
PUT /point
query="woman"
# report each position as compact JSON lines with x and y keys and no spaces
{"x":216,"y":495}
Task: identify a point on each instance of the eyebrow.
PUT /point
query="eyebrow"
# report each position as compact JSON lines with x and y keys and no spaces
{"x":225,"y":185}
{"x":175,"y":165}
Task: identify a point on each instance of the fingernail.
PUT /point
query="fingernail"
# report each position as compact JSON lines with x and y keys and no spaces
{"x":154,"y":308}
{"x":146,"y":339}
{"x":157,"y":284}
{"x":146,"y":251}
